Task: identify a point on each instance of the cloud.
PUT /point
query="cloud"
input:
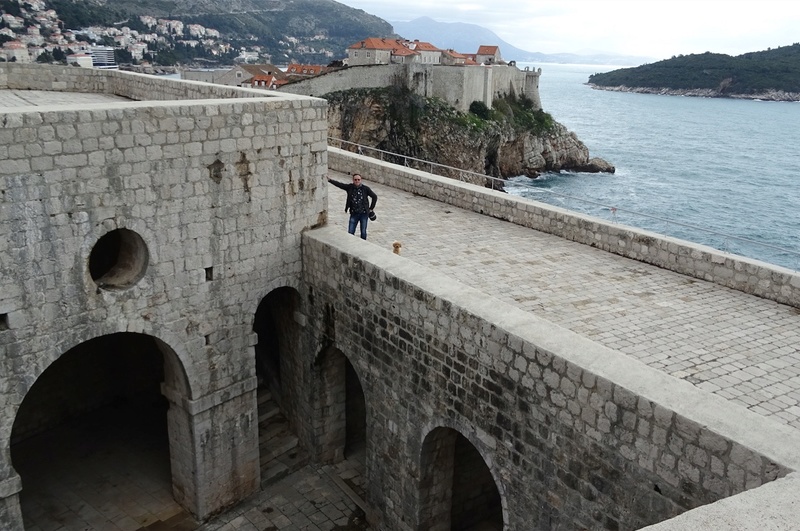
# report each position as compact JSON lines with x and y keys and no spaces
{"x":657,"y":28}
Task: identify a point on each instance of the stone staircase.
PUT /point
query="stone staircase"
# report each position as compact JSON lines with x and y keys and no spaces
{"x":280,"y":451}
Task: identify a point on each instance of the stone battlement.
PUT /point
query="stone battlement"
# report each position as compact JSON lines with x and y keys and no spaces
{"x":457,"y":85}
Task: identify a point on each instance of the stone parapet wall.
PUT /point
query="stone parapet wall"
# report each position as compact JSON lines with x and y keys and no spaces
{"x":217,"y":193}
{"x":737,"y":272}
{"x":138,"y":87}
{"x":574,"y":434}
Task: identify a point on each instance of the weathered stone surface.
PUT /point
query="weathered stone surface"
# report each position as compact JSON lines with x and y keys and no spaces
{"x":497,"y":151}
{"x":217,"y":192}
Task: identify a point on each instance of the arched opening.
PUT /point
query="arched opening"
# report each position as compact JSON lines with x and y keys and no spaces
{"x":90,"y":439}
{"x":276,"y":359}
{"x":355,"y":415}
{"x":457,"y":490}
{"x":277,"y":333}
{"x":342,"y":419}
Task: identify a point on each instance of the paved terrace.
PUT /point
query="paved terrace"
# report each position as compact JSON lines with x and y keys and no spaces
{"x":12,"y":99}
{"x":738,"y":346}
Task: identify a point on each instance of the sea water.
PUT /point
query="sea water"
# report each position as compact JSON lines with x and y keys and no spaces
{"x":720,"y":172}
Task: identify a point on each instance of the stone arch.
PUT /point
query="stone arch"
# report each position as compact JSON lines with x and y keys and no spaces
{"x":101,"y":402}
{"x":179,"y":370}
{"x":458,"y":489}
{"x":276,"y":350}
{"x":341,"y":408}
{"x":281,"y":398}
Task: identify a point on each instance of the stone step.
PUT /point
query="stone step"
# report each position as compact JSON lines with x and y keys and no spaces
{"x":267,"y":411}
{"x":280,"y":461}
{"x":279,"y":448}
{"x":270,"y":450}
{"x":276,"y":427}
{"x":263,"y":396}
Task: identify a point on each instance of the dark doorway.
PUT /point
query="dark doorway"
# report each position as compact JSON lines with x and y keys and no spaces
{"x":276,"y":359}
{"x":90,"y":440}
{"x":276,"y":329}
{"x":457,"y":490}
{"x":355,"y":415}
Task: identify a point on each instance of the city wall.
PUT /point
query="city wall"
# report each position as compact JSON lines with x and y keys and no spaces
{"x":575,"y":435}
{"x":699,"y":261}
{"x":207,"y":200}
{"x":137,"y":87}
{"x":457,"y":85}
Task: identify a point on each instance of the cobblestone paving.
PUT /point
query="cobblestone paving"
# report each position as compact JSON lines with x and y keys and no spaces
{"x":741,"y":347}
{"x":10,"y":99}
{"x":308,"y":500}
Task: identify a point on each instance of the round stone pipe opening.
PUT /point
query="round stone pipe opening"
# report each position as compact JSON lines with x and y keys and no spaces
{"x":118,"y":260}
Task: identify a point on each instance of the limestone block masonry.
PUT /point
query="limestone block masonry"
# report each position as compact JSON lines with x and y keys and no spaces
{"x":575,"y":436}
{"x":205,"y":198}
{"x":457,"y":85}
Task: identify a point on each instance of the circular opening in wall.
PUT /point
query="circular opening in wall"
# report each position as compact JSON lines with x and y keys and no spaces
{"x":118,"y":260}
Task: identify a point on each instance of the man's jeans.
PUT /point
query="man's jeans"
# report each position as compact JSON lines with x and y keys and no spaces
{"x":356,"y":219}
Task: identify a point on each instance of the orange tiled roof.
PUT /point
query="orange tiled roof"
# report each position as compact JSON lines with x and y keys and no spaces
{"x":309,"y":70}
{"x":455,"y":54}
{"x":375,"y":43}
{"x":395,"y":46}
{"x":404,"y":51}
{"x":487,"y":50}
{"x":428,"y":47}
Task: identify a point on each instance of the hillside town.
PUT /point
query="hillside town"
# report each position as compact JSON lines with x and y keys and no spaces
{"x":31,"y":32}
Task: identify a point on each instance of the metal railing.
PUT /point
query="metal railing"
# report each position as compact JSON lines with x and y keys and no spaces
{"x":727,"y":243}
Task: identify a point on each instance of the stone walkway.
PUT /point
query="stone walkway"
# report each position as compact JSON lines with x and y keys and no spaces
{"x":11,"y":99}
{"x":312,"y":499}
{"x":738,"y":346}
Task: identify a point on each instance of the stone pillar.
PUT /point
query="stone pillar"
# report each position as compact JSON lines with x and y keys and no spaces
{"x":488,"y":86}
{"x":214,"y":448}
{"x":10,"y":511}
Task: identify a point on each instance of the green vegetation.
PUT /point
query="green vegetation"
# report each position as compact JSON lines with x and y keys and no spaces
{"x":407,"y":111}
{"x":77,"y":15}
{"x":297,"y":31}
{"x":751,"y":73}
{"x":520,"y":111}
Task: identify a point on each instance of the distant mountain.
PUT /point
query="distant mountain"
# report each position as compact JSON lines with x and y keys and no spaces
{"x":771,"y":74}
{"x":466,"y":38}
{"x":308,"y":31}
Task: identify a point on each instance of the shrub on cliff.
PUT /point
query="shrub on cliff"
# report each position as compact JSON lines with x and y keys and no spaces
{"x":479,"y":109}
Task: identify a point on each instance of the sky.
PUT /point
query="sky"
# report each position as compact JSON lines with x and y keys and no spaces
{"x":651,"y":28}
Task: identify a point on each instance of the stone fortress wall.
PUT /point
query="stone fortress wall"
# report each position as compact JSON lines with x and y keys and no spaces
{"x":457,"y":85}
{"x":174,"y":221}
{"x":168,"y":220}
{"x":575,"y":435}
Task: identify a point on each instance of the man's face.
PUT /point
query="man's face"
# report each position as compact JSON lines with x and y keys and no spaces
{"x":357,"y":179}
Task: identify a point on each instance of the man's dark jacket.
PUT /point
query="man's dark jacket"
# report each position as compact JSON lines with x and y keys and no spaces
{"x":351,"y":190}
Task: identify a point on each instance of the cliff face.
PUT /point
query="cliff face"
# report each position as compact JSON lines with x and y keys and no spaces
{"x":430,"y":130}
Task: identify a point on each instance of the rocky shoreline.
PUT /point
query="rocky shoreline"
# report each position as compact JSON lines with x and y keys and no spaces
{"x":496,"y":149}
{"x":770,"y":95}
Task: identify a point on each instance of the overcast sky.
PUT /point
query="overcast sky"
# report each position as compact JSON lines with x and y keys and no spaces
{"x":653,"y":28}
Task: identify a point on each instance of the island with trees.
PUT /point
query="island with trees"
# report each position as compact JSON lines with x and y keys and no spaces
{"x":773,"y":74}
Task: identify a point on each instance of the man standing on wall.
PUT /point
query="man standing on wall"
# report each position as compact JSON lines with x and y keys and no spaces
{"x":360,"y":203}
